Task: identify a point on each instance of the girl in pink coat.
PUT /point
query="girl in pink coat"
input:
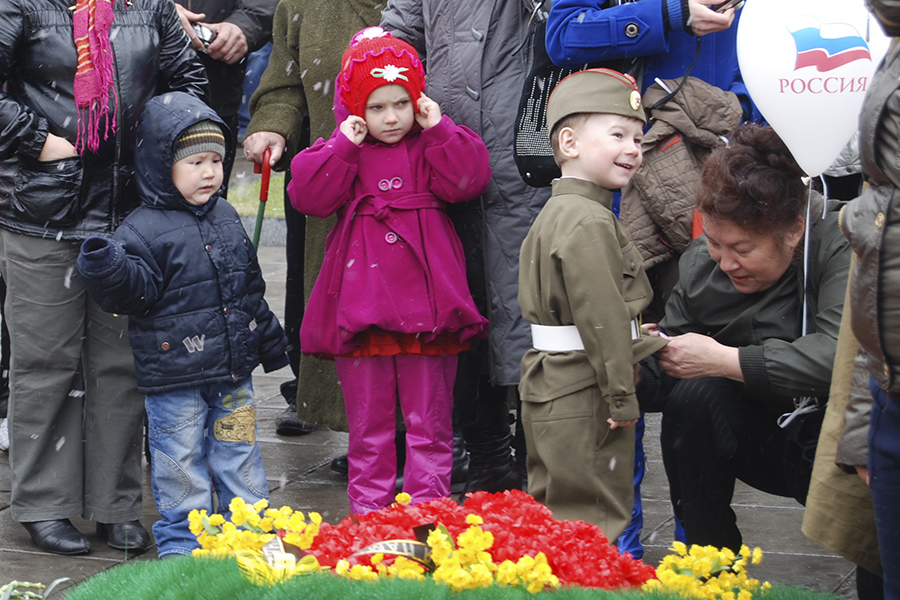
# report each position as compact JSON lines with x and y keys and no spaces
{"x":391,"y":304}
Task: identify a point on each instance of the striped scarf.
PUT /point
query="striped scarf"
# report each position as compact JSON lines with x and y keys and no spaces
{"x":94,"y":74}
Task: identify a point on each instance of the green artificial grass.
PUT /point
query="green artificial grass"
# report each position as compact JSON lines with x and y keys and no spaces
{"x":188,"y":578}
{"x":243,"y":194}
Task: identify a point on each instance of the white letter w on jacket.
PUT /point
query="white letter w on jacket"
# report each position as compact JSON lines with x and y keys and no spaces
{"x":194,"y":344}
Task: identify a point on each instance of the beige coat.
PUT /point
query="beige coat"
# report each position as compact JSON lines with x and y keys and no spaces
{"x":839,"y":513}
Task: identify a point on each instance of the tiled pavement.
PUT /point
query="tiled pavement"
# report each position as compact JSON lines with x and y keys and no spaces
{"x":299,"y":476}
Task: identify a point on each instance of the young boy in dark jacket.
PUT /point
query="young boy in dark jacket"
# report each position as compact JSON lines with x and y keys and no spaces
{"x":182,"y":267}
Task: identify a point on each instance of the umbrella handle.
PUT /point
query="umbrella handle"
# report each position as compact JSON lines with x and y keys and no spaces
{"x":266,"y":169}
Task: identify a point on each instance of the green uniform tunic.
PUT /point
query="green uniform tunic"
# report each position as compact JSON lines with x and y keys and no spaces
{"x":578,"y":267}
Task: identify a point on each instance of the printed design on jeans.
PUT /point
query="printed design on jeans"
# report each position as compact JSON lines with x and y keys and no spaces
{"x":194,"y":344}
{"x":239,"y":426}
{"x":242,"y":397}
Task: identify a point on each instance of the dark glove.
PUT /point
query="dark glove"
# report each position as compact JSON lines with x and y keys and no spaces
{"x":96,"y":249}
{"x":97,"y":255}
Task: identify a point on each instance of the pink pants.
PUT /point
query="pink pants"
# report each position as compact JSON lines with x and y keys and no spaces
{"x":371,"y":387}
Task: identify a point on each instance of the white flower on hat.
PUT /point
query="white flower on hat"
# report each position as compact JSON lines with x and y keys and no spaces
{"x":390,"y":73}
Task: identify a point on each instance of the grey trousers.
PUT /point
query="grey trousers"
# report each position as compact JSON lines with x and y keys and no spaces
{"x":71,"y":452}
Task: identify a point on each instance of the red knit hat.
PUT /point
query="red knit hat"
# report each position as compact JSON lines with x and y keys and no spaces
{"x":375,"y":59}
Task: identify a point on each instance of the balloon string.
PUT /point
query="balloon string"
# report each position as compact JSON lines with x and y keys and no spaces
{"x":804,"y":326}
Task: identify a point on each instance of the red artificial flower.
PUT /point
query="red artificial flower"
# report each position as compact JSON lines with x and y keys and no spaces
{"x":578,"y":552}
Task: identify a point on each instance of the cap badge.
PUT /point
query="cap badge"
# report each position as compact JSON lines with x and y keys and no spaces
{"x":635,"y":100}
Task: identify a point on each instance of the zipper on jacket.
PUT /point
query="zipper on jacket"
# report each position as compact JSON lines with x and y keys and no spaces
{"x":114,"y":196}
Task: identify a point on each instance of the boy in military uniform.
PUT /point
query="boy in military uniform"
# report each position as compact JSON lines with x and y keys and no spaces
{"x":582,"y":288}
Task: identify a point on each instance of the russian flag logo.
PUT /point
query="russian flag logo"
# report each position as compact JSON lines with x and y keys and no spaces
{"x":827,"y":46}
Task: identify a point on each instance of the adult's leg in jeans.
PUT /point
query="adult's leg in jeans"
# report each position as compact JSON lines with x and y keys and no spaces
{"x":370,"y":396}
{"x":45,"y":309}
{"x":113,"y":421}
{"x":630,"y":540}
{"x":425,"y":386}
{"x":884,"y":474}
{"x":713,"y":434}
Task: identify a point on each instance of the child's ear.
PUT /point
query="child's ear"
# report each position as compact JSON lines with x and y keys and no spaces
{"x":568,"y":142}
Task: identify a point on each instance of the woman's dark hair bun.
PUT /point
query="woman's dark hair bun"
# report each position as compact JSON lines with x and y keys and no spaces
{"x":753,"y":182}
{"x":769,"y":145}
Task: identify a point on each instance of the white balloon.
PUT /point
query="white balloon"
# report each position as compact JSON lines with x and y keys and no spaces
{"x":807,"y":65}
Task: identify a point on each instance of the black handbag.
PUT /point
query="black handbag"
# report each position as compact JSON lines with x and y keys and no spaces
{"x":534,"y":157}
{"x":533,"y":154}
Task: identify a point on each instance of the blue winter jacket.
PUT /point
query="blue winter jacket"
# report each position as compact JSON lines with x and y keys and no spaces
{"x":186,"y":275}
{"x":600,"y":31}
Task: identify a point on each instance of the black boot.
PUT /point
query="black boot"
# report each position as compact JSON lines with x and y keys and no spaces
{"x":491,"y":464}
{"x":459,"y":476}
{"x":288,"y":423}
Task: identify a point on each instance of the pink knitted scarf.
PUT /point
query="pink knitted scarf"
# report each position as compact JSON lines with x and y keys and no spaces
{"x":94,"y":74}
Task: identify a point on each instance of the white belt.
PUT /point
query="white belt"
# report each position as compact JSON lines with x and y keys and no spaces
{"x":565,"y":338}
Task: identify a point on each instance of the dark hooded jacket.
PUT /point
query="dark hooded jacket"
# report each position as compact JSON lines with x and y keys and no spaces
{"x":73,"y":198}
{"x":187,"y":275}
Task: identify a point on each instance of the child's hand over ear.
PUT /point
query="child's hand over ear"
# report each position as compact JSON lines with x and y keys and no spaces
{"x":429,"y":112}
{"x":355,"y":129}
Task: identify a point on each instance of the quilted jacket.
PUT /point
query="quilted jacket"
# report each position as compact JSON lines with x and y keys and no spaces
{"x":658,"y":205}
{"x":186,"y":275}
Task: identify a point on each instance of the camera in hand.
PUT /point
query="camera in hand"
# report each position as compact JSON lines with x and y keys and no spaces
{"x":204,"y":34}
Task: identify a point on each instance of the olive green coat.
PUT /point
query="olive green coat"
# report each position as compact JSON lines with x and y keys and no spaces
{"x":308,"y":38}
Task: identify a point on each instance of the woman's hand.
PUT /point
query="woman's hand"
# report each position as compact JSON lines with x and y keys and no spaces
{"x":428,"y":113}
{"x":56,"y":147}
{"x":614,"y":424}
{"x":355,"y":129}
{"x":705,"y":20}
{"x":693,"y":356}
{"x":256,"y":144}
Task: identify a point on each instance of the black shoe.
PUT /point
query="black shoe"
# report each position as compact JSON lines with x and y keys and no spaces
{"x":340,"y":465}
{"x":290,"y":424}
{"x":58,"y":536}
{"x":130,"y":535}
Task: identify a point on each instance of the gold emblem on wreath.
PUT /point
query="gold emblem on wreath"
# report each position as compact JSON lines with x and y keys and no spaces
{"x":239,"y":426}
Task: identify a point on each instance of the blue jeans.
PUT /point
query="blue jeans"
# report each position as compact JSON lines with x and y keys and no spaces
{"x":203,"y":440}
{"x":884,"y":474}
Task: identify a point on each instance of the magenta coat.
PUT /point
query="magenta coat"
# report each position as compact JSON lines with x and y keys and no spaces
{"x":393,"y":261}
